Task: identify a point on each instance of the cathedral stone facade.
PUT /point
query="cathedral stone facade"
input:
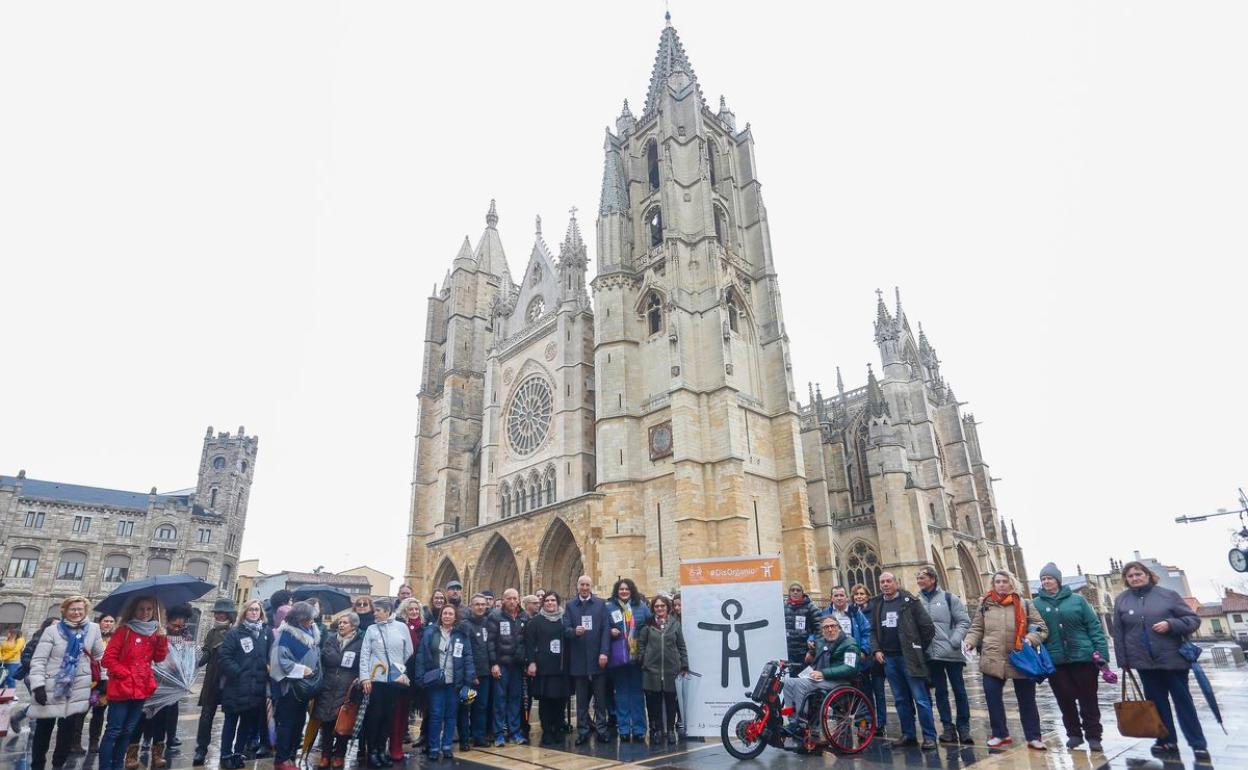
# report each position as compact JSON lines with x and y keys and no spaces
{"x":558,"y":437}
{"x":65,"y":539}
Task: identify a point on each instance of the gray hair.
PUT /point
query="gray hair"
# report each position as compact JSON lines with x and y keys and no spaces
{"x":406,"y":604}
{"x":301,"y":613}
{"x":384,"y":603}
{"x":351,"y":618}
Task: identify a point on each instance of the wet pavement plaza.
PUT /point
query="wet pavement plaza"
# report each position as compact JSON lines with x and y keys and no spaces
{"x":1228,"y":750}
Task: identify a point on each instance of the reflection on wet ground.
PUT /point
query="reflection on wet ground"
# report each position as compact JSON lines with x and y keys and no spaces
{"x":1228,"y":750}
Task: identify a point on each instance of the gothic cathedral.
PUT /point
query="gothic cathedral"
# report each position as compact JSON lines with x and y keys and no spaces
{"x":659,"y":423}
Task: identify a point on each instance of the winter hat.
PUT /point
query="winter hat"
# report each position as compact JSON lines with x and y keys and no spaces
{"x":1052,"y":571}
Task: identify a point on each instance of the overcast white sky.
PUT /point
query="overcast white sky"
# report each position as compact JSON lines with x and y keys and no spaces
{"x":225,"y":213}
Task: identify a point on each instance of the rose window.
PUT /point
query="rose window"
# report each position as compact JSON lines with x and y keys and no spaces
{"x":536,"y":308}
{"x":528,"y":416}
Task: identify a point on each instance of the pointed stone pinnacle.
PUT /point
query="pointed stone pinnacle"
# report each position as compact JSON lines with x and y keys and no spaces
{"x":539,"y":225}
{"x":491,"y":216}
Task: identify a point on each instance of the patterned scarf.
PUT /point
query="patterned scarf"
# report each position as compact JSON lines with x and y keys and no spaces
{"x":63,"y":682}
{"x":1020,"y":617}
{"x":628,"y":631}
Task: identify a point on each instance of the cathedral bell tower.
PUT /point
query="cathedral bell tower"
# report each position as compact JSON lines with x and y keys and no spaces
{"x":698,"y":447}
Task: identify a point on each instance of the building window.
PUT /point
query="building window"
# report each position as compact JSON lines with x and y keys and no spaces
{"x":652,"y":164}
{"x":528,"y":415}
{"x":862,"y":566}
{"x":205,"y":536}
{"x":212,"y":498}
{"x":733,"y":321}
{"x":125,"y":528}
{"x":82,"y":524}
{"x":537,"y":306}
{"x":1237,"y":618}
{"x":158,"y":565}
{"x":1217,"y":625}
{"x":504,"y":500}
{"x":166,"y":532}
{"x":227,"y":574}
{"x":711,"y":152}
{"x":22,"y":563}
{"x":34,"y":520}
{"x":721,"y":227}
{"x":243,"y":466}
{"x":218,"y":462}
{"x":550,"y":485}
{"x":73,"y":565}
{"x":116,"y":569}
{"x":198,"y":568}
{"x":654,"y":222}
{"x":654,"y":313}
{"x":229,"y":542}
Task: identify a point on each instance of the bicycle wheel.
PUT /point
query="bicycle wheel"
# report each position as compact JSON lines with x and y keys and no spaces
{"x":848,"y":720}
{"x":743,"y":730}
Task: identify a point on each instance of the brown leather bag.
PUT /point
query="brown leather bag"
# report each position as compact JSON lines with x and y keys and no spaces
{"x":1137,"y":716}
{"x":344,"y":725}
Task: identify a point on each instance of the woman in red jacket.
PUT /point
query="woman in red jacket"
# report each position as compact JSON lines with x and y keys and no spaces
{"x":139,"y":641}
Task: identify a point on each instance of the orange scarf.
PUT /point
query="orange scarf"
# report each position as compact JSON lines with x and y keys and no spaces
{"x":1020,"y":617}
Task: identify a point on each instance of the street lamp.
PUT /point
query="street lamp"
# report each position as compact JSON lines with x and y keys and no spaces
{"x":1238,"y":556}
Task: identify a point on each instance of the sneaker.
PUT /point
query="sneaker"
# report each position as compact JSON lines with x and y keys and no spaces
{"x":1036,"y":744}
{"x":1202,"y":756}
{"x":995,"y":743}
{"x":1074,"y":742}
{"x":1094,"y":744}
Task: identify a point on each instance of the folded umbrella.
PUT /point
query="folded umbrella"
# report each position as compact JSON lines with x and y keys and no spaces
{"x":175,"y":675}
{"x":1202,"y":679}
{"x":168,"y":590}
{"x":332,"y":599}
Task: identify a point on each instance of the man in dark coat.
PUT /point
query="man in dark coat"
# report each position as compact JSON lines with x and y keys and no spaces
{"x":903,"y":630}
{"x":801,"y":623}
{"x":506,"y":624}
{"x":223,"y":615}
{"x":586,"y":625}
{"x":474,"y":718}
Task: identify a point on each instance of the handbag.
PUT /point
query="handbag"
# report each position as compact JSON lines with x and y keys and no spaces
{"x":344,"y":725}
{"x":618,"y":654}
{"x":306,"y":689}
{"x":1035,"y":662}
{"x":1189,"y":652}
{"x":1137,"y":717}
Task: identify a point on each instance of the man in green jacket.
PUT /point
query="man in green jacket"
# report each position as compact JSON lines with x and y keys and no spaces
{"x":1075,"y":634}
{"x":833,"y":662}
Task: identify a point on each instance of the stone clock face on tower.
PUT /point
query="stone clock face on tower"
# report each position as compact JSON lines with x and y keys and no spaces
{"x":661,"y":440}
{"x":528,"y":415}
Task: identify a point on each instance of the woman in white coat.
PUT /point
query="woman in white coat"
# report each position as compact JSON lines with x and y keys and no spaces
{"x":60,"y":680}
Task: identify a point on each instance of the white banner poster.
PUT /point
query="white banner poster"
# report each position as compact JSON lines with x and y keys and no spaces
{"x":733,"y":621}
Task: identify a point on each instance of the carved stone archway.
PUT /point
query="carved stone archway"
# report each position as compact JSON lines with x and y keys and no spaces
{"x":444,"y":574}
{"x":496,"y":569}
{"x":559,"y":559}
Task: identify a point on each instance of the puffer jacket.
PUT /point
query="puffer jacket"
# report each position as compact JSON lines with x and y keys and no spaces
{"x":477,"y":629}
{"x":838,"y":661}
{"x":992,"y":631}
{"x":339,"y":670}
{"x":385,"y":650}
{"x":801,"y":621}
{"x":294,"y":646}
{"x":129,"y":658}
{"x":506,"y":637}
{"x":46,"y":664}
{"x":1074,"y":630}
{"x":662,"y":654}
{"x":949,"y":616}
{"x":244,"y":669}
{"x":1136,"y":644}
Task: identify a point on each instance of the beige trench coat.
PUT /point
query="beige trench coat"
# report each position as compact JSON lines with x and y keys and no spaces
{"x":992,"y":630}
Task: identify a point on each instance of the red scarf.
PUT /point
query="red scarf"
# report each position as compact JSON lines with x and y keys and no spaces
{"x":1020,"y":617}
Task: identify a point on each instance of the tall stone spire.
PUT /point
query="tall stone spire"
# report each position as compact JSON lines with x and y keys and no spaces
{"x":670,"y":61}
{"x":876,"y":404}
{"x":885,"y":327}
{"x":614,"y":189}
{"x":489,"y":254}
{"x":902,"y":321}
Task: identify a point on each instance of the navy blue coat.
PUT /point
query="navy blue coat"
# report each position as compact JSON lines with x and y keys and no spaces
{"x":430,"y":651}
{"x":586,"y":648}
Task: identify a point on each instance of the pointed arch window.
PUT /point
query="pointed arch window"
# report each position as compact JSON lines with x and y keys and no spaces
{"x":652,"y":164}
{"x":522,"y":497}
{"x":654,"y":313}
{"x":860,"y":475}
{"x":711,"y":152}
{"x":535,"y":492}
{"x":654,"y":224}
{"x":721,"y":227}
{"x":734,"y":322}
{"x":550,"y":485}
{"x":504,"y":500}
{"x":863,"y":566}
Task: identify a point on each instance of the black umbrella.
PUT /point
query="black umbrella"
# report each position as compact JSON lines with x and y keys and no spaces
{"x":332,"y":599}
{"x":168,"y":590}
{"x":1202,"y":679}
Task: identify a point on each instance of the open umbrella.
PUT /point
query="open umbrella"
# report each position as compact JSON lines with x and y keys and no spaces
{"x":1202,"y":679}
{"x":333,"y":600}
{"x":169,"y":591}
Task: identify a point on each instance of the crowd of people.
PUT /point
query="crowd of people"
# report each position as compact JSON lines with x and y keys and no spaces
{"x":470,"y":668}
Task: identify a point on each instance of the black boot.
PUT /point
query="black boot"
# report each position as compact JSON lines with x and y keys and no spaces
{"x":374,"y":759}
{"x":201,"y":756}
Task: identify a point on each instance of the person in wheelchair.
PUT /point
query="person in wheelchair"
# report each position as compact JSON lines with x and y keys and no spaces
{"x":832,"y":663}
